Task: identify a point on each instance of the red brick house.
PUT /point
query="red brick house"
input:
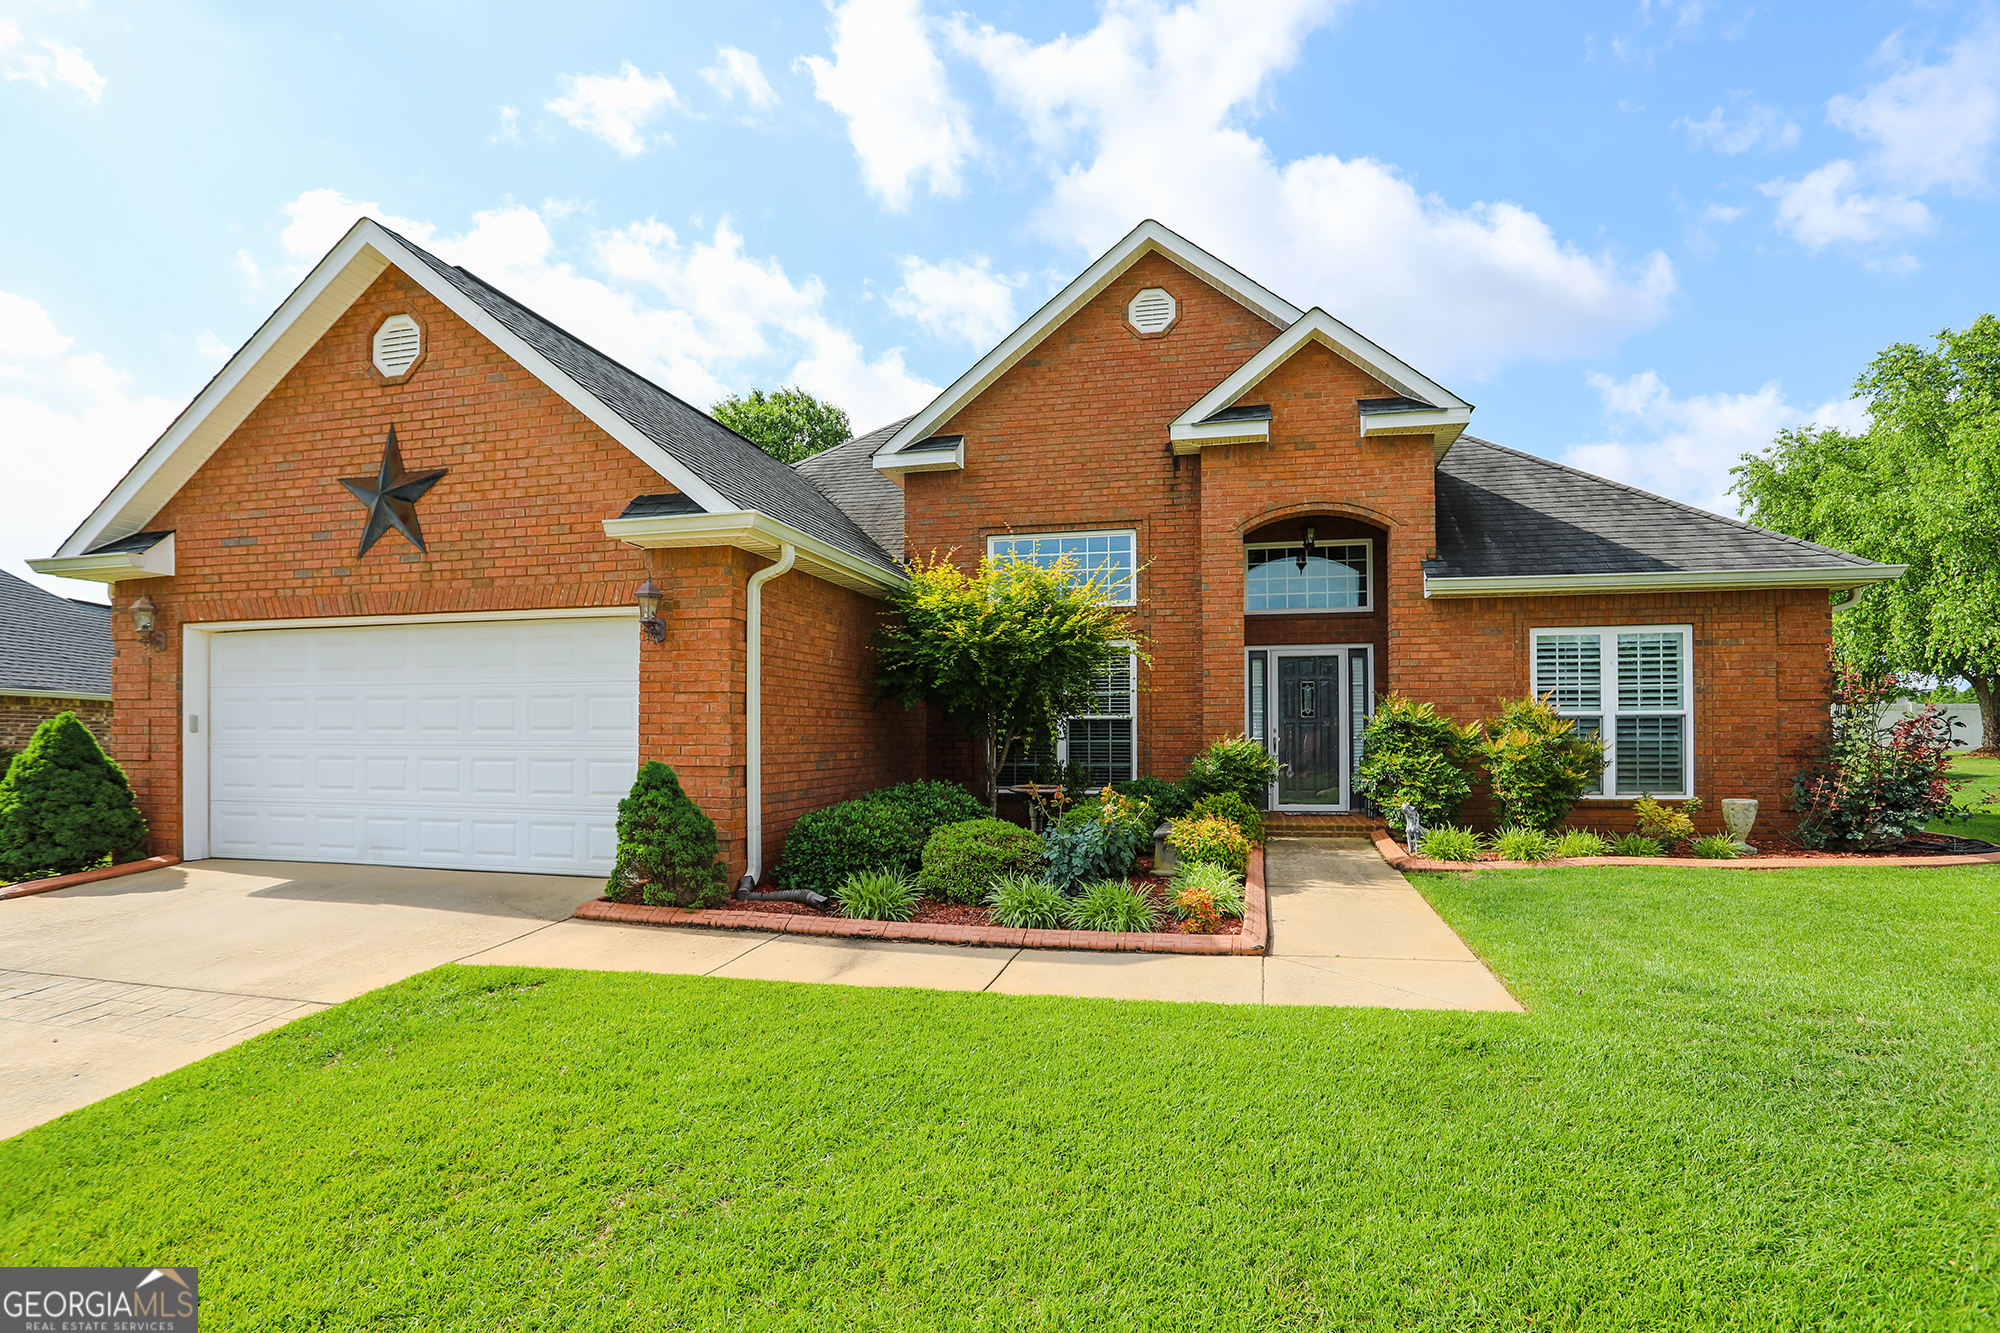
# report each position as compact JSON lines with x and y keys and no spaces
{"x":392,"y":556}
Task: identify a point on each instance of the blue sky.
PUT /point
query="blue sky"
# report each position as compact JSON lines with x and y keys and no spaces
{"x":1641,"y":237}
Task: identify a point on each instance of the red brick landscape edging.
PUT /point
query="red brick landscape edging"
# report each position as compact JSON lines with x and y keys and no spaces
{"x":1393,"y":853}
{"x":30,"y":886}
{"x":1256,"y":926}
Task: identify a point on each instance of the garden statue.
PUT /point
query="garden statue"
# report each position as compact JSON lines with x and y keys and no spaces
{"x":1413,"y":828}
{"x":1737,"y":817}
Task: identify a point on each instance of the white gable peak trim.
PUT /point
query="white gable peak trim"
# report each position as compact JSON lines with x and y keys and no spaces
{"x":1447,"y":419}
{"x":335,"y":283}
{"x":1147,"y":238}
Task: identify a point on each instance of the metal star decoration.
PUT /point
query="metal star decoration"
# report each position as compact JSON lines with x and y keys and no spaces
{"x":391,"y":497}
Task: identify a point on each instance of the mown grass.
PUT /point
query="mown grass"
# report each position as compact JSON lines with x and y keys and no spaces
{"x":1986,"y":782}
{"x":1738,"y":1100}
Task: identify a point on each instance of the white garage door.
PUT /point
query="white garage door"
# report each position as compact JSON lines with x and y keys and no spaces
{"x":500,"y":745}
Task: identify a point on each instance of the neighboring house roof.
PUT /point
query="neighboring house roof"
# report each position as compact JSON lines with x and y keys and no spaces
{"x":847,"y":474}
{"x":51,"y":645}
{"x":1506,"y":515}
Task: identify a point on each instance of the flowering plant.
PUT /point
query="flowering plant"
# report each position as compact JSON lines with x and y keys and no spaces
{"x":1869,"y":786}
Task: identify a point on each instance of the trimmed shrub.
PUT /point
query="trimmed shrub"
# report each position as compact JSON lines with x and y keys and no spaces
{"x":1636,"y":844}
{"x":1232,"y":764}
{"x":1213,"y":840}
{"x":1025,"y":902}
{"x":1536,"y":763}
{"x":1664,"y":824}
{"x":963,"y":861}
{"x":878,"y":895}
{"x":930,"y":806}
{"x":1112,"y":904}
{"x":1581,"y":842}
{"x":1196,"y":908}
{"x":1715,"y":847}
{"x":1412,"y":754}
{"x":1524,"y":844}
{"x":667,"y":851}
{"x":827,"y":846}
{"x":1870,"y":785}
{"x":1449,"y":842}
{"x":1223,"y":886}
{"x":64,"y":805}
{"x":1228,"y":805}
{"x":1098,"y":840}
{"x":1166,"y":798}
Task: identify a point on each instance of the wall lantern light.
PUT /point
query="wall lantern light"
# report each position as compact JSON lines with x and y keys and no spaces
{"x":144,"y":616}
{"x":1305,"y":552}
{"x":647,"y":595}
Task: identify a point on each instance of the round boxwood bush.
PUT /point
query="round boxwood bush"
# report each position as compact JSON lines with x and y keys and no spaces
{"x":930,"y":806}
{"x":1228,"y":805}
{"x":827,"y":846}
{"x":963,"y":861}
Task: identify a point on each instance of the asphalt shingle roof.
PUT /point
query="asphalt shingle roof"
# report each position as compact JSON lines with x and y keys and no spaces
{"x":1502,"y":513}
{"x":741,"y":472}
{"x":50,"y":644}
{"x":846,"y":473}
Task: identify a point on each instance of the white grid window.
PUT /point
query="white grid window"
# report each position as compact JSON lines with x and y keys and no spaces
{"x":1104,"y":742}
{"x":1111,"y":557}
{"x":1643,"y":711}
{"x":1332,"y":577}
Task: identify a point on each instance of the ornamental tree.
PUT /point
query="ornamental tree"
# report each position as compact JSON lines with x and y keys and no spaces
{"x":64,"y":805}
{"x":1007,"y":652}
{"x":789,"y":424}
{"x":1920,"y":487}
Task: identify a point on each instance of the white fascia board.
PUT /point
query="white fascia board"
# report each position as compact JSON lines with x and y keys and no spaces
{"x":926,"y":460}
{"x":1193,"y":438}
{"x":25,"y":692}
{"x":335,"y":283}
{"x":1318,"y":326}
{"x":1144,"y":239}
{"x":759,"y":534}
{"x":1444,"y":427}
{"x":1570,"y":585}
{"x":156,"y":562}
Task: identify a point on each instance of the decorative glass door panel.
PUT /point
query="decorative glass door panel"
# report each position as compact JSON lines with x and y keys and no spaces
{"x":1308,"y":729}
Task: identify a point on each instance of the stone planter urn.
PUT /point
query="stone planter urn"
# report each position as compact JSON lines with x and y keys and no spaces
{"x":1165,"y":859}
{"x":1737,"y":817}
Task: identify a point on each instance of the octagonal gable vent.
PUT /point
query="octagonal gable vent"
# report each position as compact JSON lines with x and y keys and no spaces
{"x":1153,"y":310}
{"x":397,"y":345}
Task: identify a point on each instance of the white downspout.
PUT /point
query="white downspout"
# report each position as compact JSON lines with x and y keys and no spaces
{"x":753,"y":711}
{"x":1849,"y":602}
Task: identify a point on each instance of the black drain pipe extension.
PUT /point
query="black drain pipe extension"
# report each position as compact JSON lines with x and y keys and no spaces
{"x":746,"y":889}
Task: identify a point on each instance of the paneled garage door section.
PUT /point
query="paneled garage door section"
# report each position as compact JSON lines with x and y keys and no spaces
{"x":499,"y":745}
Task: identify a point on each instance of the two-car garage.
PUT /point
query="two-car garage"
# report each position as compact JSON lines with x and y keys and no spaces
{"x":478,"y":743}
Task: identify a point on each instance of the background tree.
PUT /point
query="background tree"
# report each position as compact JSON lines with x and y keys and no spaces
{"x":788,"y":424}
{"x":1921,"y":487}
{"x":1008,"y":652}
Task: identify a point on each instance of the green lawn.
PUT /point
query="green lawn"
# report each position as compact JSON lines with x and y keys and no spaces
{"x":1985,"y":824}
{"x":1738,"y":1100}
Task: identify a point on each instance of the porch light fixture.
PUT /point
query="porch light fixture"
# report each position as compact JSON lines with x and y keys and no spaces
{"x":647,"y":595}
{"x":144,"y":617}
{"x":1305,"y":552}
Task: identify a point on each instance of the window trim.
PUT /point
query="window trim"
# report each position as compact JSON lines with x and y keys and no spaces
{"x":1609,"y":710}
{"x":1132,"y":599}
{"x":1369,"y":610}
{"x":1131,"y":647}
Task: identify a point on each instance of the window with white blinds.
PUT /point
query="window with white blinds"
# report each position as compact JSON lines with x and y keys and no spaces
{"x":1629,"y":684}
{"x":1104,"y":742}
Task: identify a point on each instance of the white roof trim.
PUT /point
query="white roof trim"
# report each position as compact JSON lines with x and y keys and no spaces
{"x":155,"y":562}
{"x":1144,"y":239}
{"x":760,"y":534}
{"x":1673,"y":580}
{"x":924,"y":460}
{"x":1189,"y":435}
{"x":335,"y":283}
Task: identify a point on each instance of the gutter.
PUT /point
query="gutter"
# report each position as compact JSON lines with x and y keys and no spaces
{"x":759,"y":534}
{"x":753,"y":712}
{"x":1672,"y":580}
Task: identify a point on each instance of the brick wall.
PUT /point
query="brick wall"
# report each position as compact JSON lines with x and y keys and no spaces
{"x":20,"y":714}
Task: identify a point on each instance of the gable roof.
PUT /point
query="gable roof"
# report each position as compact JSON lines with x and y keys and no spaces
{"x":1149,"y":237}
{"x":847,"y":475}
{"x":51,"y":645}
{"x":1512,"y":523}
{"x":717,"y":468}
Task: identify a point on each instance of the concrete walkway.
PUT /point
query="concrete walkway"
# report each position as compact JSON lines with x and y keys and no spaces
{"x":105,"y":985}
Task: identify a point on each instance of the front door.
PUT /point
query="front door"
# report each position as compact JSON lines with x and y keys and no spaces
{"x":1308,"y":729}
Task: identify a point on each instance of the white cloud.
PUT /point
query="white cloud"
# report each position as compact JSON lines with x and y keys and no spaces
{"x":1683,"y":448}
{"x":72,"y":428}
{"x":722,"y":319}
{"x":737,"y":71}
{"x":510,"y":127}
{"x":55,"y":65}
{"x":1829,"y":205}
{"x":1756,"y":126}
{"x":1142,"y":116}
{"x":1931,"y":124}
{"x":614,"y":106}
{"x":211,"y":348}
{"x":886,"y":79}
{"x":957,"y":301}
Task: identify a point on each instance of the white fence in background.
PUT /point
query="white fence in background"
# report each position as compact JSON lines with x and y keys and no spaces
{"x":1968,"y":735}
